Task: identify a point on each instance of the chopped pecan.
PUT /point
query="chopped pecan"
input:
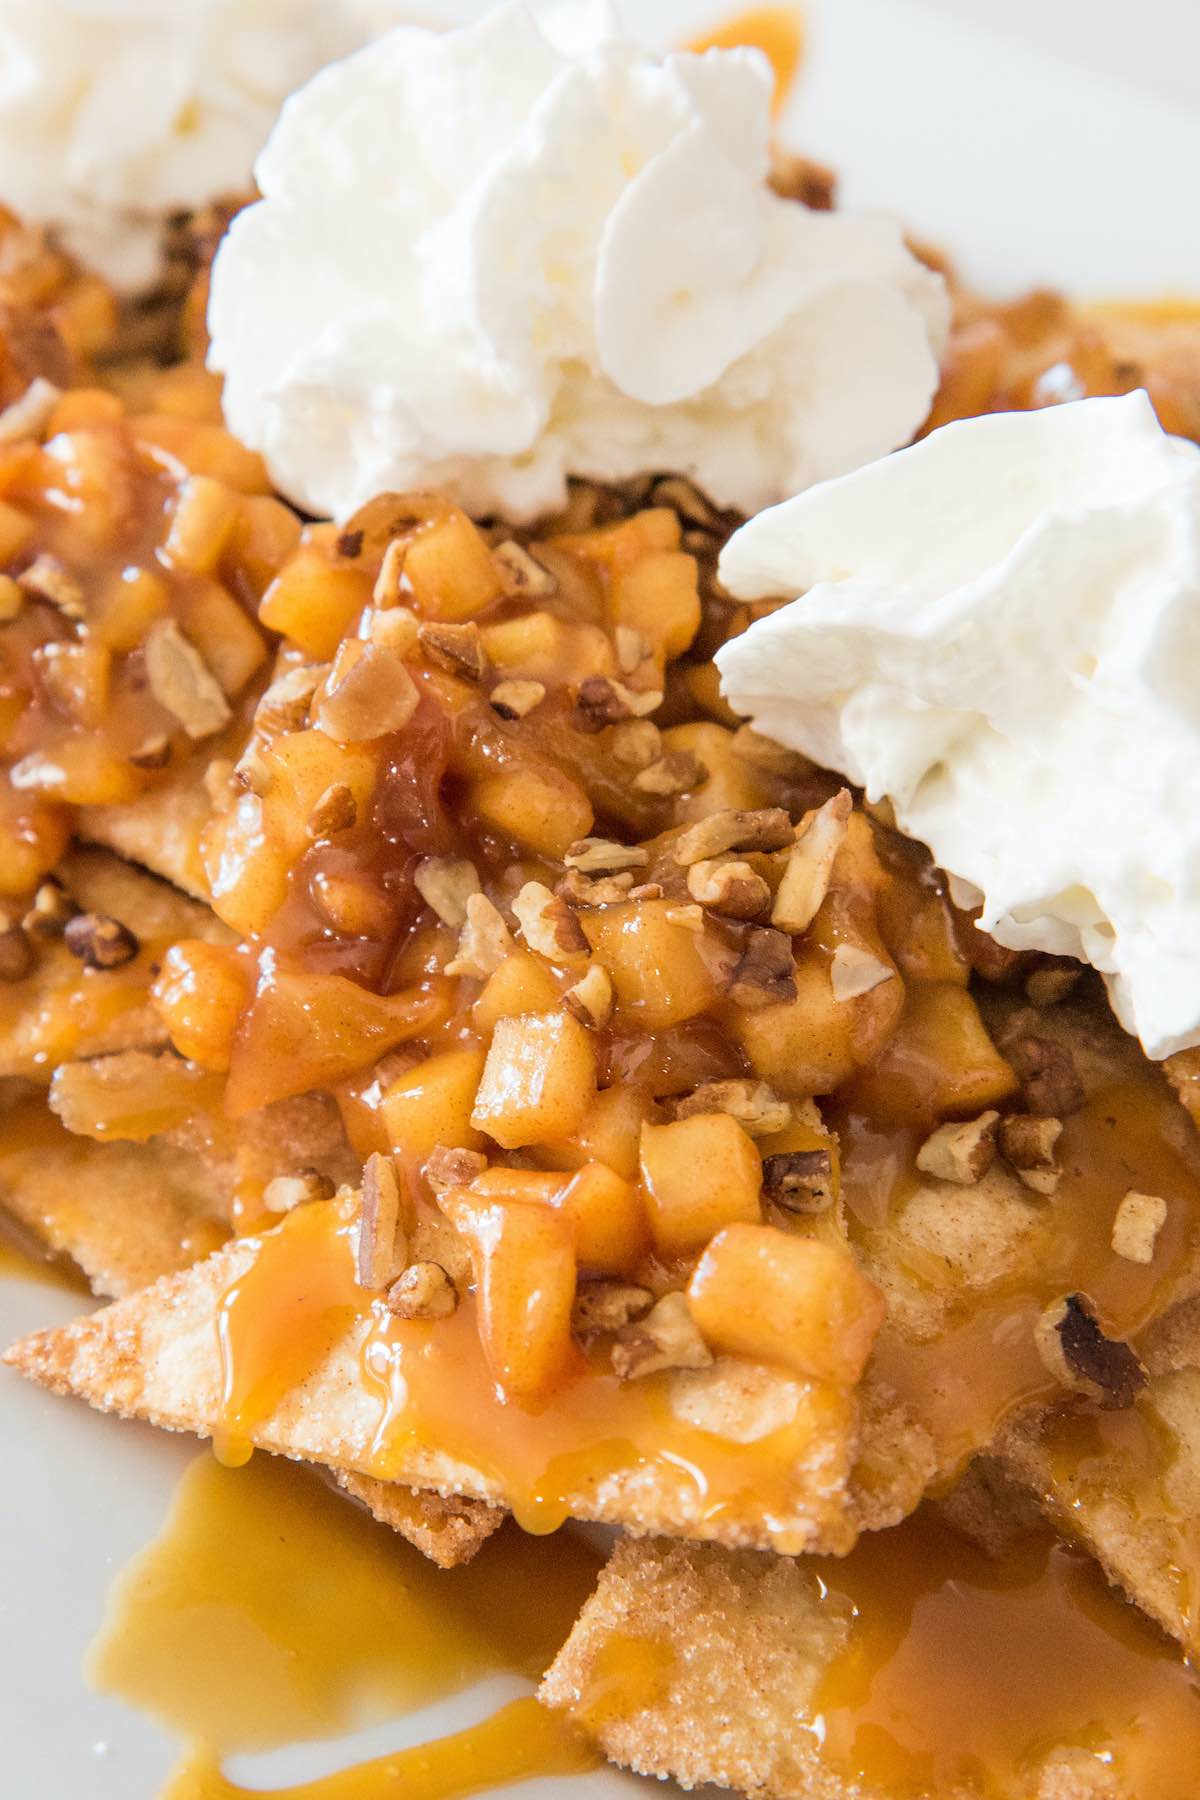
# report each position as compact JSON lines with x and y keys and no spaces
{"x":796,"y":177}
{"x":288,"y":1191}
{"x":424,"y":1291}
{"x":182,"y":682}
{"x":549,"y":926}
{"x":1027,"y":1143}
{"x":799,"y":1181}
{"x":514,"y":699}
{"x":765,"y":973}
{"x":667,"y":1338}
{"x":601,"y":890}
{"x":678,"y":772}
{"x":381,"y":1241}
{"x":386,"y":592}
{"x":854,"y":972}
{"x":607,"y":1306}
{"x":602,"y":856}
{"x":1136,"y":1225}
{"x":521,"y":574}
{"x":47,"y":579}
{"x":28,"y":416}
{"x":632,"y":649}
{"x":484,"y":941}
{"x":768,"y":828}
{"x":809,"y":867}
{"x":446,"y":884}
{"x":51,"y":912}
{"x":686,"y":499}
{"x":637,"y":743}
{"x":100,"y":942}
{"x":446,"y":1167}
{"x":369,"y":693}
{"x":729,"y":887}
{"x":285,"y":705}
{"x":394,"y":628}
{"x":458,"y":648}
{"x":591,"y":999}
{"x":602,"y":701}
{"x":336,"y":810}
{"x":757,"y":1108}
{"x":16,"y":952}
{"x":153,"y":753}
{"x":1077,"y":1353}
{"x":1048,"y":1076}
{"x":962,"y":1153}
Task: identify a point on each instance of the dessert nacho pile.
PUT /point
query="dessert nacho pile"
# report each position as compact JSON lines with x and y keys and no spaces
{"x":466,"y":1057}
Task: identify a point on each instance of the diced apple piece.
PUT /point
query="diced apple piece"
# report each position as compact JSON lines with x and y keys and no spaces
{"x":658,"y":974}
{"x":940,"y":1062}
{"x":306,"y":1031}
{"x":523,"y":1259}
{"x":308,"y":763}
{"x":541,"y":647}
{"x":609,"y":1132}
{"x":268,"y":533}
{"x":522,"y":984}
{"x":16,"y":529}
{"x":761,"y":1293}
{"x":127,"y":606}
{"x":247,"y":867}
{"x":700,"y":1174}
{"x":608,"y":1219}
{"x":432,"y":1104}
{"x":621,"y":545}
{"x":200,"y":995}
{"x":448,"y":569}
{"x":80,"y":770}
{"x":538,"y":1081}
{"x":314,"y":601}
{"x":33,"y":840}
{"x":657,"y":596}
{"x":205,"y":518}
{"x":534,"y":805}
{"x":230,"y":643}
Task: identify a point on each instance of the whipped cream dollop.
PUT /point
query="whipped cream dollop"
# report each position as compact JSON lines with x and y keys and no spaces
{"x":489,"y":258}
{"x":1000,"y":632}
{"x":115,"y":113}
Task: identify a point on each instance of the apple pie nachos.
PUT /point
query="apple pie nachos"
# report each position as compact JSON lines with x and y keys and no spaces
{"x":467,"y":1056}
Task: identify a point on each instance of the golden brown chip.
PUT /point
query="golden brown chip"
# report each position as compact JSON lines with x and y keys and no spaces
{"x":446,"y":1529}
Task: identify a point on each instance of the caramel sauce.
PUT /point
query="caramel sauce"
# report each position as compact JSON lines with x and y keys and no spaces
{"x":23,"y":1259}
{"x":299,"y":1297}
{"x":273,"y":1610}
{"x":778,"y":31}
{"x":960,"y":1673}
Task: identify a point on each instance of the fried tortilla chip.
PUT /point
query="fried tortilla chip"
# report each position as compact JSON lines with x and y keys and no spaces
{"x":446,"y":1529}
{"x":63,"y":1009}
{"x":1126,"y":1484}
{"x":161,"y":828}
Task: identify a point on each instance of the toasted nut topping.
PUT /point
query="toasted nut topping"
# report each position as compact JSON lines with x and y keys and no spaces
{"x":46,"y":579}
{"x":349,"y":545}
{"x":601,"y":856}
{"x":767,"y":829}
{"x":591,"y":1000}
{"x":521,"y":574}
{"x":799,"y":1181}
{"x":1046,"y":987}
{"x":678,"y":772}
{"x":458,"y":648}
{"x":690,"y":918}
{"x":607,"y":1306}
{"x":394,"y":628}
{"x":731,"y":888}
{"x":1138,"y":1221}
{"x":11,"y":600}
{"x":686,"y":500}
{"x":100,"y":942}
{"x":446,"y":883}
{"x":961,"y":1153}
{"x":853,"y":972}
{"x":602,"y":701}
{"x":182,"y":682}
{"x":51,"y":912}
{"x":667,"y":1338}
{"x":381,"y":1246}
{"x":631,"y":647}
{"x":28,"y":416}
{"x":646,"y":890}
{"x":513,"y":699}
{"x":604,"y":890}
{"x":1077,"y":1354}
{"x":549,"y":926}
{"x":484,"y":941}
{"x":1027,"y":1143}
{"x":637,"y":743}
{"x":396,"y":1063}
{"x":367,"y":696}
{"x":424,"y":1291}
{"x":285,"y":705}
{"x":154,"y":753}
{"x":386,"y":592}
{"x":446,"y":1168}
{"x":757,"y":1108}
{"x":766,"y":754}
{"x":16,"y":953}
{"x":810,"y":863}
{"x":1048,"y":1077}
{"x":764,"y":974}
{"x":336,"y":810}
{"x":288,"y":1191}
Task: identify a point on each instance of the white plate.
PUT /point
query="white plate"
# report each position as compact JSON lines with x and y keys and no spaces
{"x":1038,"y":144}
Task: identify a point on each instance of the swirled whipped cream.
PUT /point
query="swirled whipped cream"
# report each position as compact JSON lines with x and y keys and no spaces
{"x":1000,"y":631}
{"x":115,"y":113}
{"x":490,"y":258}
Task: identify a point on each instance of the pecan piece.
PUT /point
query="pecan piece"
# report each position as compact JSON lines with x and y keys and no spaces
{"x":729,"y":887}
{"x":1136,"y":1225}
{"x":1048,"y":1076}
{"x":602,"y":856}
{"x":47,"y":579}
{"x":446,"y":884}
{"x":484,"y":941}
{"x":458,"y":648}
{"x":764,"y":974}
{"x":1028,"y":1142}
{"x":799,"y":1181}
{"x":336,"y":810}
{"x":767,"y":828}
{"x":1076,"y":1352}
{"x":608,"y":1306}
{"x":284,"y":706}
{"x":667,"y":1338}
{"x":962,"y":1153}
{"x":100,"y":942}
{"x":549,"y":926}
{"x":382,"y":1246}
{"x":514,"y":699}
{"x":521,"y":574}
{"x":809,"y":867}
{"x":288,"y":1191}
{"x":678,"y":772}
{"x":591,"y":999}
{"x":854,"y":972}
{"x":182,"y":682}
{"x":51,"y":912}
{"x":424,"y":1291}
{"x":757,"y":1108}
{"x":445,"y":1167}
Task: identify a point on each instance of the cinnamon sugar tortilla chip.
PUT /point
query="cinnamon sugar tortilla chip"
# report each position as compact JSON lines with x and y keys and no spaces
{"x":446,"y":1529}
{"x":155,"y":1356}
